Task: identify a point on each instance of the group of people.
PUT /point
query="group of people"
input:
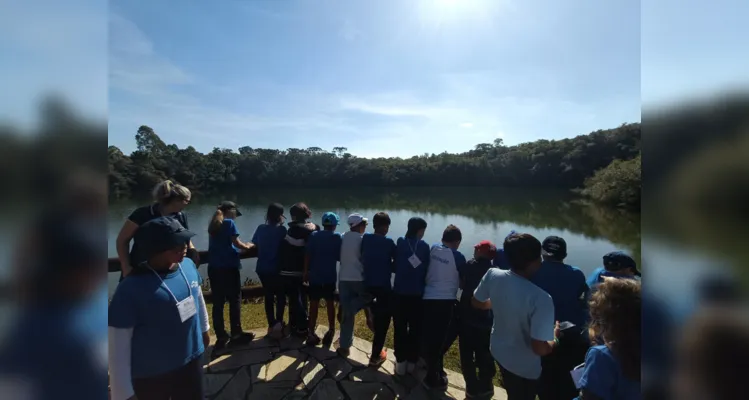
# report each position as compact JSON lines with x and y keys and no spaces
{"x":518,"y":307}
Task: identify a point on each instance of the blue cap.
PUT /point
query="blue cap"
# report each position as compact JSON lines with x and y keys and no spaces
{"x":619,"y":260}
{"x":331,"y":219}
{"x":161,"y":234}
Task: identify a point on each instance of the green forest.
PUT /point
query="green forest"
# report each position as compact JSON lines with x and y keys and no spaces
{"x":603,"y":166}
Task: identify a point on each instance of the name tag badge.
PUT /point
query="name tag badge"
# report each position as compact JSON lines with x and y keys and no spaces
{"x":460,"y":293}
{"x":414,"y":260}
{"x":186,"y":308}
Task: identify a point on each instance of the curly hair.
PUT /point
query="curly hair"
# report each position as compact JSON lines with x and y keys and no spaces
{"x":615,"y":309}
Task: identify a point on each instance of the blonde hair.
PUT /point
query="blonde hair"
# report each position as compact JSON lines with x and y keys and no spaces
{"x":216,"y":221}
{"x":165,"y":192}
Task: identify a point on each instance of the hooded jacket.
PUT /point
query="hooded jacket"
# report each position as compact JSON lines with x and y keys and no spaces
{"x":291,"y":253}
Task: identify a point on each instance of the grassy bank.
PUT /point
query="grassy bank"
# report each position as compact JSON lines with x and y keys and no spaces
{"x":253,"y":317}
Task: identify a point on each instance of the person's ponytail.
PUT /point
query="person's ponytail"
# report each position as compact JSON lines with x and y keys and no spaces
{"x":216,"y":221}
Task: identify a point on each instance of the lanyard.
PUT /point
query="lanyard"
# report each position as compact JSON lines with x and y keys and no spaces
{"x":413,"y":249}
{"x":179,"y":267}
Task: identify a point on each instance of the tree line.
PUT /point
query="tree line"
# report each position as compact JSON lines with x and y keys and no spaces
{"x":600,"y":164}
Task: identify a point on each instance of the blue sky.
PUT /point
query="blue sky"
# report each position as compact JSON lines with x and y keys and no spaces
{"x":381,"y":78}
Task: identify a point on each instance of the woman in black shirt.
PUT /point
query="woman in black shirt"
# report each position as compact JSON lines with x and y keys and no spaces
{"x":169,"y":200}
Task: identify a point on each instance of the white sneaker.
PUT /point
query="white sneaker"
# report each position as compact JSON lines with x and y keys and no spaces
{"x":401,"y":368}
{"x":410,"y":367}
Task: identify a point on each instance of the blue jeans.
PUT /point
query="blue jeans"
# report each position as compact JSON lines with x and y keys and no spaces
{"x":353,"y":297}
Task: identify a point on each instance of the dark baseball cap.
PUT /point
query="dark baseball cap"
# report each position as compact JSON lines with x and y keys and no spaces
{"x":554,"y":246}
{"x":618,"y":261}
{"x":161,"y":234}
{"x":229,"y":205}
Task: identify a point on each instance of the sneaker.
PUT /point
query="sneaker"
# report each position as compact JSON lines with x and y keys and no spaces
{"x":220,"y":344}
{"x":434,"y":383}
{"x":327,"y":340}
{"x":343,"y":352}
{"x":401,"y":368}
{"x":276,"y":332}
{"x":301,"y":333}
{"x":241,"y":339}
{"x":484,"y":395}
{"x":410,"y":367}
{"x":312,"y":340}
{"x":375,"y":362}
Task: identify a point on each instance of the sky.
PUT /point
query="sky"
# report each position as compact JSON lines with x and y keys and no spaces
{"x":384,"y":78}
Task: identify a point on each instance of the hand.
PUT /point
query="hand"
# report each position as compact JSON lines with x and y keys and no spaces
{"x":194,"y":256}
{"x":305,"y":278}
{"x":206,"y":339}
{"x":557,"y":330}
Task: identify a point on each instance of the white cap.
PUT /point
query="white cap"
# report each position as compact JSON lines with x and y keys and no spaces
{"x":356,"y":219}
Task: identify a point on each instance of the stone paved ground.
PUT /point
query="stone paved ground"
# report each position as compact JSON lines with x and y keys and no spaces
{"x":287,"y":369}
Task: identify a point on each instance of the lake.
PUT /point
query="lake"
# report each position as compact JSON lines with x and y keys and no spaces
{"x":480,"y":213}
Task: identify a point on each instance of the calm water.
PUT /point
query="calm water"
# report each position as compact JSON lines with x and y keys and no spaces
{"x":481,"y":214}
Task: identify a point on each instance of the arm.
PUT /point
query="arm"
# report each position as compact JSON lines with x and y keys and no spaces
{"x":123,"y":245}
{"x":544,"y":330}
{"x":481,"y":295}
{"x":240,"y":244}
{"x":204,"y":325}
{"x":120,"y":343}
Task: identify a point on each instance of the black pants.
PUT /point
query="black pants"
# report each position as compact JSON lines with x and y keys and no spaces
{"x":437,"y":316}
{"x":274,"y":295}
{"x":226,"y":287}
{"x":408,"y":318}
{"x":555,"y":382}
{"x":474,"y":353}
{"x":292,"y":288}
{"x":517,"y":387}
{"x":184,"y":383}
{"x":453,"y":329}
{"x":382,"y":311}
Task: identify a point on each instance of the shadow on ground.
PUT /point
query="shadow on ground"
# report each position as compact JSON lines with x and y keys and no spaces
{"x":287,"y":369}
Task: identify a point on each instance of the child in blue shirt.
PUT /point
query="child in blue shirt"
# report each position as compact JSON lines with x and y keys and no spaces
{"x":268,"y":237}
{"x":158,"y":324}
{"x":377,"y":254}
{"x":223,"y":271}
{"x":323,"y":254}
{"x":411,"y":263}
{"x":612,"y":366}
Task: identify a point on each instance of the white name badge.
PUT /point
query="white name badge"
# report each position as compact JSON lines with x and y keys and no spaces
{"x":186,"y":308}
{"x":414,"y":260}
{"x":460,"y":294}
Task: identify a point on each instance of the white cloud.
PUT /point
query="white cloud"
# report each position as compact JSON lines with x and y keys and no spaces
{"x":466,"y":125}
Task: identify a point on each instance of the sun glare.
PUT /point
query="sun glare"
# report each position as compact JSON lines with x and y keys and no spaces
{"x":448,"y":12}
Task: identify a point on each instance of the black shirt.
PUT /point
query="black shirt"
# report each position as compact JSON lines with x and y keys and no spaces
{"x":140,"y":216}
{"x":471,"y":276}
{"x":292,"y":251}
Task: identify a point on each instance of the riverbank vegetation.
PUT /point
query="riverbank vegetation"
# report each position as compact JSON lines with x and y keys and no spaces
{"x":565,"y":163}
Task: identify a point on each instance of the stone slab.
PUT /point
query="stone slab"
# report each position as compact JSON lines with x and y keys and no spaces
{"x":327,"y":389}
{"x":239,"y":359}
{"x":237,"y":387}
{"x":362,"y":390}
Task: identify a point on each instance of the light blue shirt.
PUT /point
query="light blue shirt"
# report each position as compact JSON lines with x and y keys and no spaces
{"x":442,"y":278}
{"x":522,"y":311}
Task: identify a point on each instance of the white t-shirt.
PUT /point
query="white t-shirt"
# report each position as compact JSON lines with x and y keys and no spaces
{"x":351,"y":269}
{"x":442,"y":279}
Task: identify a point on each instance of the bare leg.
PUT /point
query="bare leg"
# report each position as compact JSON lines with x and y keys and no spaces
{"x":331,"y":314}
{"x":313,"y":306}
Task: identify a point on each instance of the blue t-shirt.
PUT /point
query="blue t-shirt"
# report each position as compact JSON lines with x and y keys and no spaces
{"x":161,"y":342}
{"x":324,"y":251}
{"x":567,"y":287}
{"x":522,"y":311}
{"x":268,"y":239}
{"x":377,"y":253}
{"x":603,"y":377}
{"x":221,"y":250}
{"x":500,"y":260}
{"x":409,"y":280}
{"x":57,"y":349}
